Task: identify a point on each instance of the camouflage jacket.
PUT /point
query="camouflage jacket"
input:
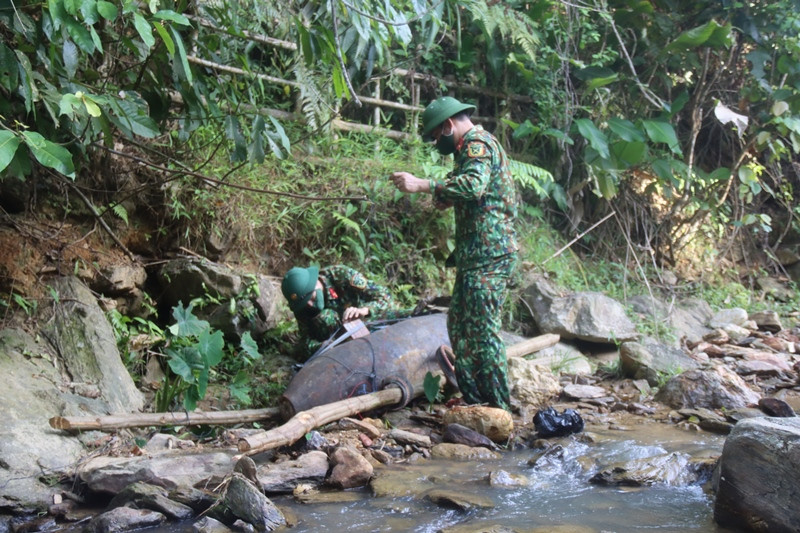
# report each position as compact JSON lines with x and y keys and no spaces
{"x":483,"y":195}
{"x":345,"y":287}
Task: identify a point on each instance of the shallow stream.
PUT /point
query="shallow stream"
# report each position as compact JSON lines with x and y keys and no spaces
{"x":558,"y":492}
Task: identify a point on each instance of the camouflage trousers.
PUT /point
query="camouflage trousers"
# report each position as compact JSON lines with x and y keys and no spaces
{"x":473,"y":324}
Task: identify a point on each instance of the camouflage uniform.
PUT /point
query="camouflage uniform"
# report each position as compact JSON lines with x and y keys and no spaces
{"x":482,"y":192}
{"x":345,"y":287}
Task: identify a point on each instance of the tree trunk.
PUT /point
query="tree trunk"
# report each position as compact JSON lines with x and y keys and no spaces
{"x":133,"y":420}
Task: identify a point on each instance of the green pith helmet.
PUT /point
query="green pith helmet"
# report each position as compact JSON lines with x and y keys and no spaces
{"x":440,"y":110}
{"x":298,"y":284}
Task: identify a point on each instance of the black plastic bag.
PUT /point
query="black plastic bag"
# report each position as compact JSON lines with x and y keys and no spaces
{"x":549,"y":423}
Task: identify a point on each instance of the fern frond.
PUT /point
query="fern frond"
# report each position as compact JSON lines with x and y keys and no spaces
{"x":530,"y":176}
{"x":511,"y":24}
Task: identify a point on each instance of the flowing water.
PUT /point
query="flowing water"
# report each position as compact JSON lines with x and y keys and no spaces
{"x":558,"y":492}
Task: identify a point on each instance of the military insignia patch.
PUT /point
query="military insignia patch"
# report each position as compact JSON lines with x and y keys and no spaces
{"x":476,"y":150}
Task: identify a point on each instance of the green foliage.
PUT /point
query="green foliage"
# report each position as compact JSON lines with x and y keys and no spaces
{"x":432,"y":388}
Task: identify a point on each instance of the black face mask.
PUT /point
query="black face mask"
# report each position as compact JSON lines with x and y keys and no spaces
{"x":308,"y":312}
{"x":446,"y":144}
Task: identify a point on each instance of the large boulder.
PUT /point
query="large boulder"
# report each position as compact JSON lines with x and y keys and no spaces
{"x":687,"y":318}
{"x":758,"y":472}
{"x":588,"y":316}
{"x":236,"y":302}
{"x":715,"y":387}
{"x":653,"y":361}
{"x":72,"y":369}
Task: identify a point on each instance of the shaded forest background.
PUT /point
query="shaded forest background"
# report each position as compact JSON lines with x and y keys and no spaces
{"x":655,"y":142}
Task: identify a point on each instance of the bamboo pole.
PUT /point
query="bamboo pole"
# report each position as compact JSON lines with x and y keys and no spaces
{"x":133,"y":420}
{"x":305,"y":421}
{"x":532,"y":345}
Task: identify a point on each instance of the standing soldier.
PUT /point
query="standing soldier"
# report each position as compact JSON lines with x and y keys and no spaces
{"x":324,"y":299}
{"x":482,"y":193}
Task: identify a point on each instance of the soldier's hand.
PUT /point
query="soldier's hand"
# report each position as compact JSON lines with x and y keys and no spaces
{"x":352,"y":313}
{"x":407,"y":182}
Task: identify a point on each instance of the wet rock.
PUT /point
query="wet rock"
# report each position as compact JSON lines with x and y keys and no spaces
{"x":507,"y":480}
{"x":758,"y":473}
{"x":123,"y":519}
{"x":775,"y":407}
{"x":210,"y":525}
{"x":199,"y":500}
{"x":399,"y":482}
{"x":283,"y":477}
{"x":767,"y":321}
{"x":459,"y":500}
{"x":247,"y":502}
{"x":447,"y":450}
{"x":350,"y":469}
{"x":713,"y":388}
{"x":146,"y":496}
{"x":458,"y":434}
{"x":170,"y":469}
{"x":652,"y":361}
{"x":588,"y":316}
{"x":531,"y":383}
{"x":670,"y":469}
{"x":409,"y":437}
{"x":495,"y":423}
{"x":743,"y":413}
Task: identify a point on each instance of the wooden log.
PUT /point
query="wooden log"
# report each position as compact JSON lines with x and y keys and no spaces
{"x":307,"y":420}
{"x":132,"y":420}
{"x":534,"y":344}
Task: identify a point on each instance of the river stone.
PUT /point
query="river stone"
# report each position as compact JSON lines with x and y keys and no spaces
{"x":493,"y":422}
{"x":776,"y":407}
{"x":716,"y":387}
{"x":758,"y":473}
{"x":767,"y":321}
{"x":283,"y":477}
{"x":210,"y":525}
{"x":736,"y":316}
{"x":447,"y":450}
{"x":123,"y":519}
{"x":397,"y":481}
{"x":507,"y":480}
{"x":670,"y":469}
{"x":652,"y":361}
{"x":460,"y":500}
{"x":170,"y":469}
{"x":350,"y":468}
{"x":531,"y":383}
{"x":583,"y":392}
{"x":247,"y":502}
{"x":588,"y":316}
{"x":402,"y":436}
{"x":458,"y":434}
{"x":147,"y":496}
